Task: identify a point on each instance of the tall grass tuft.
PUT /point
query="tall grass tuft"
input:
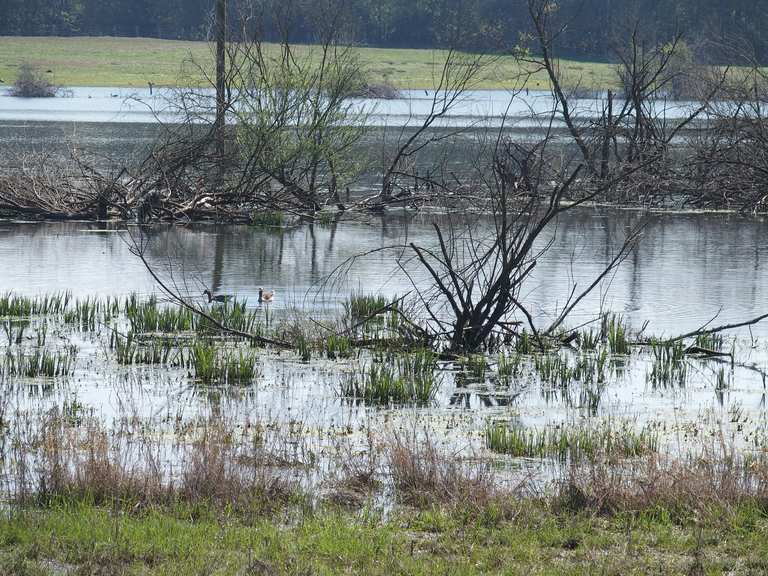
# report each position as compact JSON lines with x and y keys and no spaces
{"x":156,"y":352}
{"x":234,"y":315}
{"x":360,"y":306}
{"x":669,"y":368}
{"x":39,"y":363}
{"x":15,"y":306}
{"x":617,"y":334}
{"x":215,"y":366}
{"x":149,"y":317}
{"x":570,"y":443}
{"x":401,"y":379}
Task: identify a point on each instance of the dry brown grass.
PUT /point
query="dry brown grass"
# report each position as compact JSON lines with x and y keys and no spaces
{"x":87,"y":462}
{"x":690,"y":486}
{"x":422,"y":476}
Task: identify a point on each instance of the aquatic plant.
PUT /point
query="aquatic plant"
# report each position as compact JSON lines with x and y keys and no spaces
{"x":399,"y":379}
{"x":338,"y":347}
{"x":476,"y":365}
{"x":589,"y":339}
{"x":616,"y":332}
{"x":16,"y":306}
{"x":39,"y":363}
{"x":148,"y":317}
{"x":215,"y":366}
{"x":234,"y":315}
{"x":553,"y":369}
{"x":710,"y":342}
{"x":570,"y":443}
{"x":154,"y":352}
{"x":524,"y":343}
{"x":360,"y":306}
{"x":669,"y":367}
{"x":509,"y":366}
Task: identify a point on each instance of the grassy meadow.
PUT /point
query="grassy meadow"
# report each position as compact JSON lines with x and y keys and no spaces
{"x":133,"y":62}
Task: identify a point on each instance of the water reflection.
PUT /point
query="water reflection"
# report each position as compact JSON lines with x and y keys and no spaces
{"x":687,"y":269}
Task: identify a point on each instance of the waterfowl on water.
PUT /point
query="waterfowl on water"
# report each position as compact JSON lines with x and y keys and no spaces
{"x":220,"y":298}
{"x":266,"y":295}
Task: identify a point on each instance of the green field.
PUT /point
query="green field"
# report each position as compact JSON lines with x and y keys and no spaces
{"x":84,"y":540}
{"x":136,"y":61}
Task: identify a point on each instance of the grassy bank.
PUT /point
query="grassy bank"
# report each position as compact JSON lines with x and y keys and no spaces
{"x":136,"y":61}
{"x":79,"y":538}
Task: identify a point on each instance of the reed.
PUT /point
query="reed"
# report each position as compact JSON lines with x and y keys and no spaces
{"x":39,"y":363}
{"x":669,"y":367}
{"x":402,"y":379}
{"x":524,"y":343}
{"x":234,"y":315}
{"x":509,"y":366}
{"x":16,"y":306}
{"x":566,"y":443}
{"x":215,"y":366}
{"x":476,"y":366}
{"x":148,"y":317}
{"x":155,"y":352}
{"x":360,"y":306}
{"x":337,"y":347}
{"x":617,"y":334}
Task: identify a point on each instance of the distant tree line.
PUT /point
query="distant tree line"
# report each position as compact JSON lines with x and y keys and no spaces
{"x":591,"y":27}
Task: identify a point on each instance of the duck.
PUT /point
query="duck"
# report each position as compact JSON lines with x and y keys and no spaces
{"x":220,"y":298}
{"x":266,"y":295}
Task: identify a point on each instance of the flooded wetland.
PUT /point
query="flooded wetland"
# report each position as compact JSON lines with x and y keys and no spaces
{"x":515,"y":351}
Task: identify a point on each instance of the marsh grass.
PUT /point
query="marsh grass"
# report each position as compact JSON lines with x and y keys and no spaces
{"x":149,"y":317}
{"x":617,"y":333}
{"x":233,"y":315}
{"x":524,"y":343}
{"x":154,"y":352}
{"x":87,"y":314}
{"x":589,"y":339}
{"x":669,"y":367}
{"x":476,"y":365}
{"x":407,"y":378}
{"x":39,"y":363}
{"x":510,"y":366}
{"x":82,"y":461}
{"x":17,"y":306}
{"x":213,"y":365}
{"x":568,"y":443}
{"x":361,"y":306}
{"x":338,"y":347}
{"x":14,"y":330}
{"x":423,"y":475}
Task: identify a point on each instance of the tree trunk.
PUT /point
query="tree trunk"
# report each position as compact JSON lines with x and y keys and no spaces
{"x":221,"y":71}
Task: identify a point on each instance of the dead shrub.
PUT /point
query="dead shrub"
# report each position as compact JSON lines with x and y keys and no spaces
{"x":31,"y":83}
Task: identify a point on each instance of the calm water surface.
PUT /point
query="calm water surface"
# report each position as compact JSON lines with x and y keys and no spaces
{"x":686,"y":269}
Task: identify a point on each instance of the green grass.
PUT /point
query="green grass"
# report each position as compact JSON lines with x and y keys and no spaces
{"x":402,"y":379}
{"x":135,"y":62}
{"x":88,"y":541}
{"x":569,"y":442}
{"x":213,"y":365}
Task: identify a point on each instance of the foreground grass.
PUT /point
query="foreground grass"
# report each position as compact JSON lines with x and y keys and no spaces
{"x":86,"y":540}
{"x":136,"y":61}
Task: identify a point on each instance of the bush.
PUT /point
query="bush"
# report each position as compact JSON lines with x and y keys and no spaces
{"x":31,"y":83}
